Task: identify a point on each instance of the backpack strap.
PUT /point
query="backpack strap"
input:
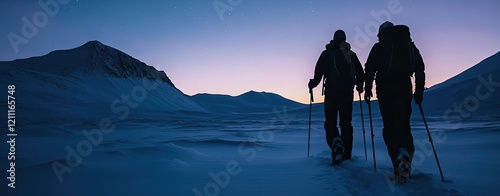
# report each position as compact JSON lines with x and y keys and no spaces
{"x":335,"y":62}
{"x":351,"y":64}
{"x":411,"y":46}
{"x":390,"y":58}
{"x":323,"y":87}
{"x":347,"y":56}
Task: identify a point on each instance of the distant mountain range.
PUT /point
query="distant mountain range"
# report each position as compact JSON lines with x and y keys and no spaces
{"x":247,"y":102}
{"x":95,"y":77}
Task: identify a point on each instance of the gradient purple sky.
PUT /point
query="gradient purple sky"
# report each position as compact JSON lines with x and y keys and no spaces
{"x":259,"y":45}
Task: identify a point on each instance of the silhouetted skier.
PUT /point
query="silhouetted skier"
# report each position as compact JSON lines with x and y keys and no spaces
{"x":394,"y":60}
{"x":341,"y":69}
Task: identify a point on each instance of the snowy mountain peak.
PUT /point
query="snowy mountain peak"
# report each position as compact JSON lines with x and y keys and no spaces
{"x":255,"y":93}
{"x":118,"y":64}
{"x":94,"y":43}
{"x":89,"y":78}
{"x":90,"y":58}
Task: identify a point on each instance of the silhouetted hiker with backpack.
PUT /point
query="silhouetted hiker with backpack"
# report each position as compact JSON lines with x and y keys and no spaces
{"x":393,"y":61}
{"x":341,"y":70}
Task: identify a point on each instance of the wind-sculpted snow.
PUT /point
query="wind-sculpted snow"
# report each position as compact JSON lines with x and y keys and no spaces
{"x":356,"y":177}
{"x":174,"y":158}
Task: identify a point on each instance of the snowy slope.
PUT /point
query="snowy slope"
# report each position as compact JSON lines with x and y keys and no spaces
{"x":248,"y":102}
{"x":486,"y":66}
{"x":90,"y":78}
{"x":474,"y":90}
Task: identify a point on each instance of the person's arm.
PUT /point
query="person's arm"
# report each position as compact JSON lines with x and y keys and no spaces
{"x":319,"y":70}
{"x":419,"y":76}
{"x":360,"y":74}
{"x":371,"y":67}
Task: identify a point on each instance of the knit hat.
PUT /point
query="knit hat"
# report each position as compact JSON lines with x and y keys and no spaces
{"x":385,"y":25}
{"x":339,"y":35}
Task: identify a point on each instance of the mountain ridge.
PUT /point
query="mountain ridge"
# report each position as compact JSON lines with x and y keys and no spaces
{"x":487,"y":65}
{"x":93,"y":57}
{"x":91,"y":78}
{"x":470,"y":91}
{"x":248,"y":102}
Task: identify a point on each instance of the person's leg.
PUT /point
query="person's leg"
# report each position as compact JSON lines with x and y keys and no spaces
{"x":389,"y":132}
{"x":405,"y":113}
{"x":345,"y":114}
{"x":330,"y":124}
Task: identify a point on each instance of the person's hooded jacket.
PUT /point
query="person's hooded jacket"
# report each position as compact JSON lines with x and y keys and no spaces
{"x":391,"y":77}
{"x":322,"y":68}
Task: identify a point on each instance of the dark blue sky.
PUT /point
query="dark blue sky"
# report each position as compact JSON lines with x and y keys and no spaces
{"x":251,"y":44}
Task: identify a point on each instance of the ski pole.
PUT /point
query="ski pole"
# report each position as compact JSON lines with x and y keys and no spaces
{"x":310,"y":113}
{"x":363,"y":124}
{"x":430,"y":140}
{"x":371,"y":128}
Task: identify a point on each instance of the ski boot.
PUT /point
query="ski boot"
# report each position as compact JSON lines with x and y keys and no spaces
{"x":403,"y":167}
{"x":337,"y":151}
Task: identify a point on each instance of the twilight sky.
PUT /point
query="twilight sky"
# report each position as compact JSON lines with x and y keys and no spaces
{"x":242,"y":45}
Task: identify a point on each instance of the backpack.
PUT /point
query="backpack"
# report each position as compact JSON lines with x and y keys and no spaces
{"x":399,"y":59}
{"x":342,"y":72}
{"x":399,"y":54}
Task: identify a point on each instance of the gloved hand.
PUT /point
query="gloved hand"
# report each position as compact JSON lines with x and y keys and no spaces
{"x":419,"y":97}
{"x":368,"y":96}
{"x":359,"y":89}
{"x":311,"y":84}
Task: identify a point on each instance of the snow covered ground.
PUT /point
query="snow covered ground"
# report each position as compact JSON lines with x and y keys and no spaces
{"x":262,"y":154}
{"x":101,"y":130}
